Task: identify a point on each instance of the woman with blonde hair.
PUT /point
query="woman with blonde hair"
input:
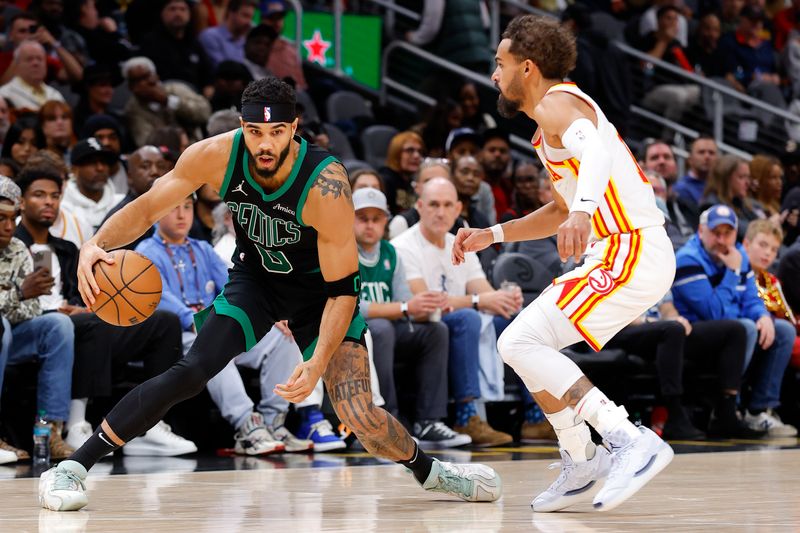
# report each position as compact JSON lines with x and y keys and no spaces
{"x":403,"y":158}
{"x":729,"y":183}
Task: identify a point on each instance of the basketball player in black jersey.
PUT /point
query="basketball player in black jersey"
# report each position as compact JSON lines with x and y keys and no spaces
{"x":296,"y":259}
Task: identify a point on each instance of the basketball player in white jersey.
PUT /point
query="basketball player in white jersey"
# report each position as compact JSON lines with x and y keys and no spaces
{"x":603,"y":207}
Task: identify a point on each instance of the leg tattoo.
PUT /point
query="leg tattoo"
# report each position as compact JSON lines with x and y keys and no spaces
{"x":577,"y":391}
{"x":347,"y":380}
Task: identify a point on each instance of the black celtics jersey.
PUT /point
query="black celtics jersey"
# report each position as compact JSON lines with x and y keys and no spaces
{"x":271,"y":236}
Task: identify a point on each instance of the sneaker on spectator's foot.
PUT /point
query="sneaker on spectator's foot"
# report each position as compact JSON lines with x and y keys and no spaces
{"x":535,"y":431}
{"x":770,"y":422}
{"x":62,"y":487}
{"x":290,"y":442}
{"x":8,"y":457}
{"x":482,"y":433}
{"x":577,"y":482}
{"x":679,"y":427}
{"x":634,"y":462}
{"x":79,"y":433}
{"x":58,"y":448}
{"x":159,"y":441}
{"x":22,"y":455}
{"x":435,"y":434}
{"x":470,"y":482}
{"x":253,"y":437}
{"x":315,"y":427}
{"x":729,"y":425}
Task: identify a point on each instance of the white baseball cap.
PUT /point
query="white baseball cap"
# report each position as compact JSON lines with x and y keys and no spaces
{"x":369,"y":197}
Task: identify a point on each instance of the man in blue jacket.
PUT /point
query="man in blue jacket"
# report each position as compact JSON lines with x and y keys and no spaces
{"x":714,"y":281}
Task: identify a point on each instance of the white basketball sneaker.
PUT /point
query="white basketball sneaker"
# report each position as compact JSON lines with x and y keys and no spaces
{"x":159,"y":441}
{"x":7,"y":457}
{"x":578,"y":482}
{"x":634,"y":462}
{"x":62,"y":487}
{"x":254,"y":438}
{"x":470,"y":482}
{"x":78,"y":434}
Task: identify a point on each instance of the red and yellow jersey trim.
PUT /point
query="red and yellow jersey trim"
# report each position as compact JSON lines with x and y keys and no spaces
{"x":579,"y":290}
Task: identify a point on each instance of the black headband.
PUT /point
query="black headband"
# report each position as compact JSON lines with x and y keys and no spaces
{"x":265,"y":112}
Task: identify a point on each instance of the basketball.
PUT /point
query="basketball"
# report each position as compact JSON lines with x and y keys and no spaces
{"x":130,"y":289}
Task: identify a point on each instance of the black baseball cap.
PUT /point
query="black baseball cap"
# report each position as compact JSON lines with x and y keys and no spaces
{"x":89,"y":148}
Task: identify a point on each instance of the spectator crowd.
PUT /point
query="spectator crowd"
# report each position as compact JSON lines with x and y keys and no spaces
{"x":99,"y":98}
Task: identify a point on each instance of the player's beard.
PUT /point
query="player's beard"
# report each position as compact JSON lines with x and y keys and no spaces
{"x":507,"y":106}
{"x":264,"y":173}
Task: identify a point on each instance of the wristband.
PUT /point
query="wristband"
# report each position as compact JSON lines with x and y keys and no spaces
{"x":497,"y":232}
{"x":476,"y":299}
{"x":404,"y":310}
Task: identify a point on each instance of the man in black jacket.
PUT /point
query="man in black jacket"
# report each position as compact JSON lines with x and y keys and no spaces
{"x":102,"y":351}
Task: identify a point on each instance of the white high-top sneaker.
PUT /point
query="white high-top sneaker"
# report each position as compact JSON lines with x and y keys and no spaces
{"x":159,"y":441}
{"x":634,"y":462}
{"x":62,"y":487}
{"x":470,"y":482}
{"x":578,"y":482}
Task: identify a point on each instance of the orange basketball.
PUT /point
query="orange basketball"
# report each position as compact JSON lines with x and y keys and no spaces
{"x":130,"y":289}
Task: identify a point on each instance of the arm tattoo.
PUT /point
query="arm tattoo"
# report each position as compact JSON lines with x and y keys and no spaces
{"x":333,"y":180}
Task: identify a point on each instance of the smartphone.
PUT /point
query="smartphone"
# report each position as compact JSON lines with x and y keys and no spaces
{"x":43,"y":259}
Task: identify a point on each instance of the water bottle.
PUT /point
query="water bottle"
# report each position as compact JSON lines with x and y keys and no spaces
{"x":41,"y":442}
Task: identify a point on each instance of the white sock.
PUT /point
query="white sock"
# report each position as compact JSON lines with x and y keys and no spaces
{"x":77,"y":411}
{"x":573,"y":434}
{"x":604,"y":415}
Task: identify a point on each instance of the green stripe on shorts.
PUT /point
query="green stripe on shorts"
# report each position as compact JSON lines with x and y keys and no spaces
{"x":223,"y":307}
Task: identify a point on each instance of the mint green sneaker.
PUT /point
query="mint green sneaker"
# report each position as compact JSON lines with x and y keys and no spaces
{"x":62,"y":487}
{"x":473,"y":483}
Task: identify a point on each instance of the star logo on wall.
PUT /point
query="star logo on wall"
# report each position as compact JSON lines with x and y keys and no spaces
{"x":316,"y":48}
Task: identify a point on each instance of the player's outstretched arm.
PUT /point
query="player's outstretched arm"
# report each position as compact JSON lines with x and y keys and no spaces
{"x":203,"y":162}
{"x":541,"y":223}
{"x":329,"y":209}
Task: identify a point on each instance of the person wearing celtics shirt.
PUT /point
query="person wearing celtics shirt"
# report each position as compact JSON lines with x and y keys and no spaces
{"x":402,"y":338}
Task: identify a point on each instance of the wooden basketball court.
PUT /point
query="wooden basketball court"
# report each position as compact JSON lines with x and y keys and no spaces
{"x":730,"y":491}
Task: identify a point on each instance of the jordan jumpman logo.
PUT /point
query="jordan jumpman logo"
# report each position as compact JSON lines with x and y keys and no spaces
{"x":240,"y":189}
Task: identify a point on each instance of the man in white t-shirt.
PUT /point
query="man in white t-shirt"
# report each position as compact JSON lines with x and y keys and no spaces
{"x":425,"y":251}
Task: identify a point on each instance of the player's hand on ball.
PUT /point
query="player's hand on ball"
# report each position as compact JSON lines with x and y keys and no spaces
{"x":470,"y":240}
{"x":573,"y":235}
{"x":301,"y":383}
{"x":87,"y":285}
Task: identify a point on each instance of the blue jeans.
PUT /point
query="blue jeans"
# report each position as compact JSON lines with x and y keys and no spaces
{"x":49,"y":339}
{"x":6,"y":346}
{"x":769,"y":364}
{"x":465,"y":331}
